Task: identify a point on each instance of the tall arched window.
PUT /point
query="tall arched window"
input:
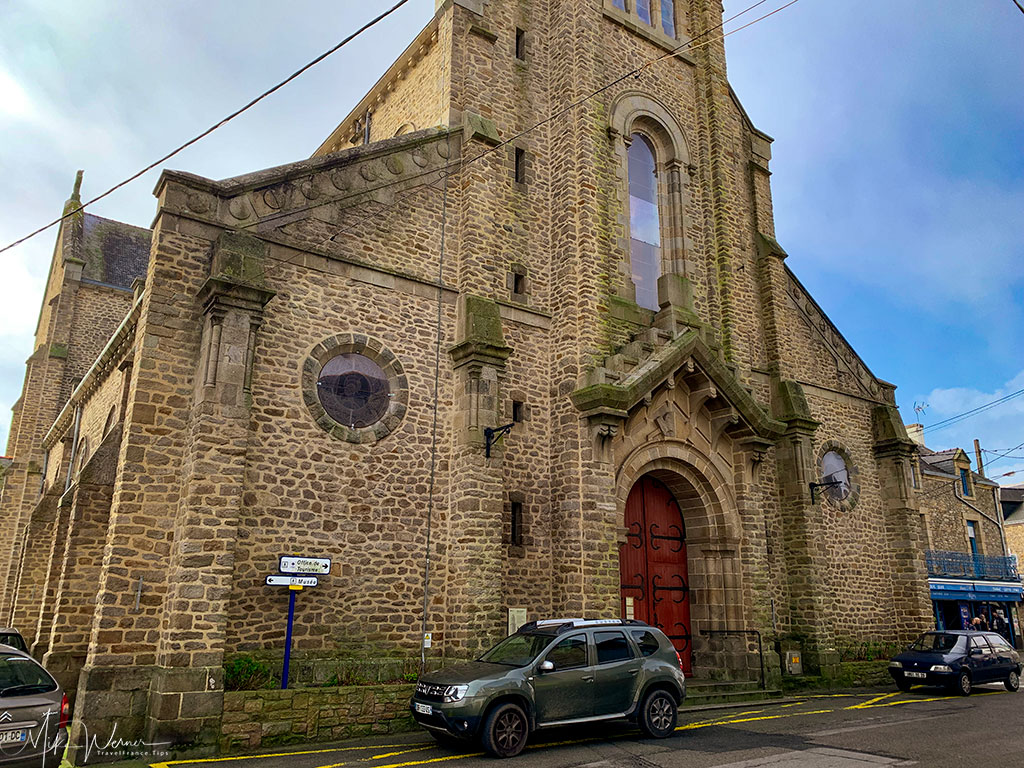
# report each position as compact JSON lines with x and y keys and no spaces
{"x":644,"y":224}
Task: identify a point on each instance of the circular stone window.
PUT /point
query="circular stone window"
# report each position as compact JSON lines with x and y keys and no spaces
{"x":354,"y":388}
{"x":835,"y":476}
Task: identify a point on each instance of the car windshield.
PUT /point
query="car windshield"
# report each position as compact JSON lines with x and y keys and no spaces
{"x":517,"y":650}
{"x":14,"y":640}
{"x":936,"y":642}
{"x":19,"y":675}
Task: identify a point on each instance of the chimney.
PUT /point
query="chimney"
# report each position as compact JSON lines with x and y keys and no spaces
{"x":977,"y":455}
{"x":916,"y":433}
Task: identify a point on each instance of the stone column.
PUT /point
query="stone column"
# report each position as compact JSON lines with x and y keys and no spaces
{"x":904,"y":532}
{"x":187,"y":687}
{"x":474,"y":614}
{"x":801,"y":529}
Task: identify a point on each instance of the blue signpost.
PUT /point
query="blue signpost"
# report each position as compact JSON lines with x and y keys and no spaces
{"x":288,"y":635}
{"x":295,"y":583}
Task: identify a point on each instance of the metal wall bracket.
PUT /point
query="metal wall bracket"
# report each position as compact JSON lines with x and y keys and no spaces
{"x":493,"y":434}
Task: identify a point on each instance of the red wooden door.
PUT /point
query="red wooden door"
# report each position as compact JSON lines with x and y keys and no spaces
{"x":652,"y":565}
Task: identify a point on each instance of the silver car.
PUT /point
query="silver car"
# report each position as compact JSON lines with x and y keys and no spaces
{"x":33,"y":713}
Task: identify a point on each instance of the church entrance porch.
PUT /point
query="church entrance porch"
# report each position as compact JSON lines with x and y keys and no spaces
{"x":652,"y":565}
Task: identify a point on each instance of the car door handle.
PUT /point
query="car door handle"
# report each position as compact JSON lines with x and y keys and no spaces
{"x":588,"y":678}
{"x":633,"y":671}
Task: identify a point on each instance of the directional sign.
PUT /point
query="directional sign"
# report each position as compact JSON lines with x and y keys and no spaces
{"x":315,"y":565}
{"x":292,"y":581}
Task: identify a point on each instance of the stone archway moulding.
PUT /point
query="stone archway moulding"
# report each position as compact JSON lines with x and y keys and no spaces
{"x":632,"y":106}
{"x":679,"y":459}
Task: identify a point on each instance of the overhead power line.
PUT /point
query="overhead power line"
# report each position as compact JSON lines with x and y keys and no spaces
{"x":376,"y":211}
{"x":973,"y":412}
{"x":217,"y":125}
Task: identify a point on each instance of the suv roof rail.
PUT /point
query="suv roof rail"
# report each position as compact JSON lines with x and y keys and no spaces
{"x":564,"y":625}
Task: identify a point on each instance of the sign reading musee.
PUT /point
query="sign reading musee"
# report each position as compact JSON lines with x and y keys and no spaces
{"x":292,"y":581}
{"x":318,"y":565}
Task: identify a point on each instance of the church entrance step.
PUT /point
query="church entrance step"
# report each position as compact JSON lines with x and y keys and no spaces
{"x":704,"y":692}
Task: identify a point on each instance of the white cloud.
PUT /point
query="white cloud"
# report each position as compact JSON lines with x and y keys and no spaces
{"x":1000,"y":430}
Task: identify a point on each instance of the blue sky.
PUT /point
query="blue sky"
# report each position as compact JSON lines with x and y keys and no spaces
{"x":898,"y":161}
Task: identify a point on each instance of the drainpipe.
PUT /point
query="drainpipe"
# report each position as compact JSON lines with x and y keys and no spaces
{"x":74,"y":447}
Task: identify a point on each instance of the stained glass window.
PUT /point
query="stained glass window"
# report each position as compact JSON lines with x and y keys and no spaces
{"x":643,"y":10}
{"x":644,"y":224}
{"x":668,"y":17}
{"x":353,"y":390}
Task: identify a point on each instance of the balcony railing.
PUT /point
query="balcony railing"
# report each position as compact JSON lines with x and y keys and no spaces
{"x":963,"y":565}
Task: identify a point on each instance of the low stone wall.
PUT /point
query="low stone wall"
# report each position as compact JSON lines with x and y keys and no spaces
{"x":263,"y":718}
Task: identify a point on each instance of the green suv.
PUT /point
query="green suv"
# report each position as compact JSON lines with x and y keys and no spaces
{"x":555,"y":672}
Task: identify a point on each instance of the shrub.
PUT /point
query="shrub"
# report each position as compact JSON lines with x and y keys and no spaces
{"x":244,"y":673}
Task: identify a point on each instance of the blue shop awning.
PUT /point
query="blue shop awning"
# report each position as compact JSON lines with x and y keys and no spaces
{"x":992,"y":591}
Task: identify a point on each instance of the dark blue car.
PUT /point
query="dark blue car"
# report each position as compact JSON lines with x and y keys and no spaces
{"x":957,"y":659}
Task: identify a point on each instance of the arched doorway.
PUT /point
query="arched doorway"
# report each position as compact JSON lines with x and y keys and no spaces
{"x":653,"y":575}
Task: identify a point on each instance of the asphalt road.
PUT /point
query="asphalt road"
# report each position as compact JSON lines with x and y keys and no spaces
{"x":925,"y":727}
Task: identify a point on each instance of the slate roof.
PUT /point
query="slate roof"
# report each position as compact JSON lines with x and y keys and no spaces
{"x":941,"y":462}
{"x":115,"y":253}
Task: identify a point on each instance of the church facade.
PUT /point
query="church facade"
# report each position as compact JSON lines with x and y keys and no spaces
{"x":512,"y":342}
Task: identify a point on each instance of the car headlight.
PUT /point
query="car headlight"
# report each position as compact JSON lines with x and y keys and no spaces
{"x":940,"y":668}
{"x":896,"y":664}
{"x":455,"y":692}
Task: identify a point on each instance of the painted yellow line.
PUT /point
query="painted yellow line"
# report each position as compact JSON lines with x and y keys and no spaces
{"x":694,"y":726}
{"x":794,"y":704}
{"x":872,"y":702}
{"x":283,"y":754}
{"x":431,"y":760}
{"x":395,"y":754}
{"x":869,"y":705}
{"x":752,"y":712}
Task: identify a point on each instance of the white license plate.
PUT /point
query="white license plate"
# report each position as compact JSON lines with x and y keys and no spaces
{"x":13,"y":737}
{"x":424,"y":709}
{"x":922,"y":675}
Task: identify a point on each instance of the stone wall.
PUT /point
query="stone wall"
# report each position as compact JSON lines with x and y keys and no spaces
{"x":263,"y":718}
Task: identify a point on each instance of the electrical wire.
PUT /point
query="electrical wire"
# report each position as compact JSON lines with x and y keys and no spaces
{"x":448,"y":168}
{"x":939,"y":425}
{"x":214,"y":127}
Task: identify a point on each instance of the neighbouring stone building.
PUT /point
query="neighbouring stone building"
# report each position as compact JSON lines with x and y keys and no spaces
{"x":971,"y":568}
{"x":315,"y":357}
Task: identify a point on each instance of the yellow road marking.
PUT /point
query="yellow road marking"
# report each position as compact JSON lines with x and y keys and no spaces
{"x":694,"y":726}
{"x":431,"y":760}
{"x":794,"y":704}
{"x":284,"y":754}
{"x":752,"y":712}
{"x":395,"y":754}
{"x":871,"y":702}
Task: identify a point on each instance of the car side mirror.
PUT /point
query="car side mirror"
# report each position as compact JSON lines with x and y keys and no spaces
{"x":977,"y":651}
{"x":547,"y":666}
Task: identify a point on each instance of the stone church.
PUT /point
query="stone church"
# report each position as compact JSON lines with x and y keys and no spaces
{"x":517,"y":341}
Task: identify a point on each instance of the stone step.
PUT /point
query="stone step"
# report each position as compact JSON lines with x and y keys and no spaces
{"x":703,"y":696}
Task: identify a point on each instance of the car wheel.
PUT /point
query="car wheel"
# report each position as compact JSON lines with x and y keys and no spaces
{"x":963,"y":683}
{"x":658,"y":714}
{"x":505,"y":730}
{"x":903,"y":684}
{"x":1012,"y":681}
